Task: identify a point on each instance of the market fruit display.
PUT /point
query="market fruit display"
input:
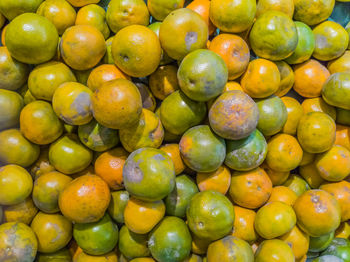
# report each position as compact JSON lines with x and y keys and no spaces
{"x":175,"y":131}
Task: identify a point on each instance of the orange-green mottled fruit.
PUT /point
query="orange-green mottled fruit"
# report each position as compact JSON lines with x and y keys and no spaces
{"x":23,"y":212}
{"x":336,"y":90}
{"x":11,"y":104}
{"x":160,"y":9}
{"x":10,"y":9}
{"x":312,"y":12}
{"x":274,"y":250}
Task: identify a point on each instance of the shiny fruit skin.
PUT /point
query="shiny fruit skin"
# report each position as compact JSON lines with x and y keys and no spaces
{"x":119,"y":200}
{"x":295,"y":112}
{"x":218,"y":180}
{"x":202,"y":7}
{"x":132,"y":245}
{"x":318,"y":105}
{"x":287,"y":78}
{"x":23,"y":212}
{"x":96,"y":238}
{"x":11,"y":104}
{"x":312,"y":12}
{"x":336,"y":90}
{"x":170,"y":241}
{"x":283,"y":194}
{"x":284,"y":6}
{"x":274,"y":250}
{"x":243,"y":227}
{"x":160,"y":9}
{"x":298,"y":241}
{"x":173,"y":151}
{"x":18,"y":242}
{"x":90,"y":204}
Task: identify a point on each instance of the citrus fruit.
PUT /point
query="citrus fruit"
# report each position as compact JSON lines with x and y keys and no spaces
{"x":11,"y":104}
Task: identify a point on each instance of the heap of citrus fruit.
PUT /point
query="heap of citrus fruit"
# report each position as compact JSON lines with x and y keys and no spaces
{"x":175,"y":131}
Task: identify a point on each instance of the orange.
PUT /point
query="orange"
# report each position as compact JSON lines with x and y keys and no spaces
{"x":335,"y":91}
{"x":309,"y":78}
{"x":334,"y":164}
{"x":13,"y":74}
{"x":341,"y":192}
{"x":285,"y":6}
{"x":79,"y":3}
{"x":132,"y":245}
{"x":34,"y":46}
{"x":283,"y":194}
{"x":274,"y":219}
{"x":93,"y":15}
{"x":318,"y":105}
{"x":15,"y":184}
{"x":287,"y":78}
{"x":103,"y":74}
{"x":313,"y":12}
{"x":109,"y":166}
{"x":316,"y":132}
{"x":148,"y":100}
{"x":297,"y":184}
{"x":3,"y":33}
{"x":218,"y":180}
{"x":182,"y":32}
{"x":46,"y":189}
{"x":11,"y":104}
{"x":298,"y":241}
{"x":235,"y":52}
{"x":341,"y":64}
{"x":11,"y":9}
{"x":165,"y":59}
{"x":311,"y":175}
{"x":274,"y":250}
{"x":148,"y":132}
{"x":59,"y":12}
{"x":53,"y":231}
{"x":261,"y":79}
{"x":136,"y":50}
{"x":250,"y":189}
{"x":318,"y":212}
{"x":343,"y":231}
{"x":160,"y":9}
{"x":232,"y":17}
{"x":117,"y":104}
{"x":295,"y":112}
{"x":23,"y":212}
{"x":16,"y":149}
{"x":199,"y":245}
{"x":85,"y":199}
{"x":18,"y":242}
{"x":140,"y":217}
{"x":308,"y":158}
{"x":232,"y":85}
{"x":121,"y":14}
{"x":342,"y":136}
{"x":173,"y":151}
{"x":119,"y":199}
{"x":243,"y":226}
{"x":82,"y":46}
{"x":277,"y":177}
{"x":164,"y":81}
{"x":202,"y":7}
{"x":44,"y":79}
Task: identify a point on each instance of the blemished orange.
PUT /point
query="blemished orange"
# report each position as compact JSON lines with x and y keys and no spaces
{"x":235,"y":52}
{"x":104,"y":73}
{"x":309,"y":78}
{"x":218,"y":180}
{"x":202,"y":8}
{"x":141,"y":217}
{"x":109,"y":166}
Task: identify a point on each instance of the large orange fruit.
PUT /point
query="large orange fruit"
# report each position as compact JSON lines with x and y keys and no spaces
{"x":136,"y":50}
{"x":82,"y":46}
{"x":182,"y":32}
{"x":117,"y":104}
{"x":318,"y":212}
{"x":85,"y":199}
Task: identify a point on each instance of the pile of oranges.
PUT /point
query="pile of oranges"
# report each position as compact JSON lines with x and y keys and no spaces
{"x":175,"y":131}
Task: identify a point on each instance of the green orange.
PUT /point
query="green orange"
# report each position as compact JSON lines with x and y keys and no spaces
{"x":116,"y":207}
{"x":132,"y":245}
{"x":11,"y":104}
{"x":336,"y":90}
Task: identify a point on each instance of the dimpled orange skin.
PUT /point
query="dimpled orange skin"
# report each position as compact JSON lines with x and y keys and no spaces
{"x":235,"y":52}
{"x":23,"y":212}
{"x":277,"y":177}
{"x":316,"y":132}
{"x":287,"y":78}
{"x":173,"y":151}
{"x":261,"y":79}
{"x":284,"y":6}
{"x":334,"y":164}
{"x":284,"y":153}
{"x":341,"y":64}
{"x":109,"y":166}
{"x":298,"y":241}
{"x":295,"y":112}
{"x":342,"y":136}
{"x":141,"y":217}
{"x":182,"y":32}
{"x":103,"y":74}
{"x":318,"y":212}
{"x":218,"y":180}
{"x":311,"y":175}
{"x":164,"y":81}
{"x":317,"y":104}
{"x":82,"y":46}
{"x":202,"y":7}
{"x":341,"y":192}
{"x":283,"y":194}
{"x":79,"y":3}
{"x":85,"y":199}
{"x":309,"y":78}
{"x":59,"y":12}
{"x":136,"y":50}
{"x":243,"y":226}
{"x":17,"y":242}
{"x":71,"y":102}
{"x":53,"y":231}
{"x":117,"y":104}
{"x":250,"y":189}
